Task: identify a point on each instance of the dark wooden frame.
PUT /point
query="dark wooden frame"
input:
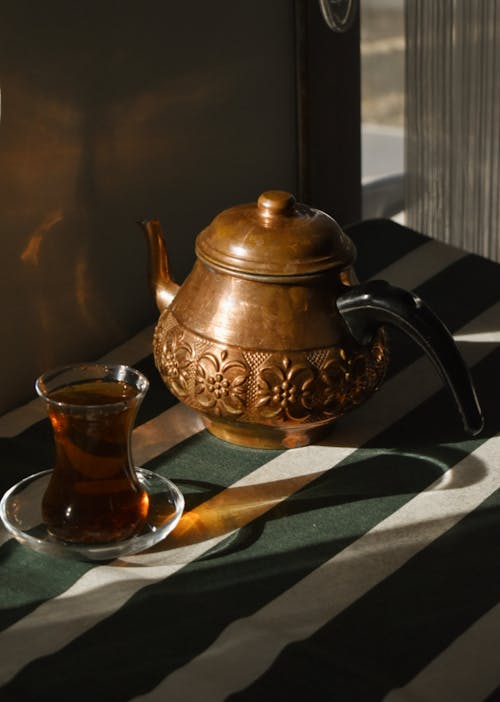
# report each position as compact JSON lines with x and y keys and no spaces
{"x":328,"y":113}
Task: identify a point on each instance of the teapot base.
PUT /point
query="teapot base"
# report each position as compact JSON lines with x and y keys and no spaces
{"x":266,"y":437}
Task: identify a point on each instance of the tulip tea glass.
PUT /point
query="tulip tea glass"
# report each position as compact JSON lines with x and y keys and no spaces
{"x":94,"y":495}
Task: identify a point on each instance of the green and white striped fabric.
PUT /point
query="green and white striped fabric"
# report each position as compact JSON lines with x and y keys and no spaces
{"x":362,"y":568}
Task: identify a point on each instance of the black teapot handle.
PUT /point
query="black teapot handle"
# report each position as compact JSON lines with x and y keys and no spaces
{"x":365,"y":307}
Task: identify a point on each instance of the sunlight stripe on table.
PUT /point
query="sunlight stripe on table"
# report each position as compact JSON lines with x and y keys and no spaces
{"x":421,"y":264}
{"x":466,"y":671}
{"x":247,"y":647}
{"x":163,"y":432}
{"x":104,"y":589}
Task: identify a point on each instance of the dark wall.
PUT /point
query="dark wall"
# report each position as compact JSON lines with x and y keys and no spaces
{"x":118,"y":110}
{"x":113,"y":111}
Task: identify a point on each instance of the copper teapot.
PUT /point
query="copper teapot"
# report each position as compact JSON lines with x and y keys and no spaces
{"x":271,"y":338}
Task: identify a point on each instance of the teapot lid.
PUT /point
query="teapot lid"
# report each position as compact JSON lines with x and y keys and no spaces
{"x":276,"y":236}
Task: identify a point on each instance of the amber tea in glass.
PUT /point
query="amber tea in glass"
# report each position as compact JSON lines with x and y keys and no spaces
{"x":94,"y":495}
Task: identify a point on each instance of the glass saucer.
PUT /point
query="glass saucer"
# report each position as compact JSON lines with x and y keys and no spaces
{"x":20,"y":511}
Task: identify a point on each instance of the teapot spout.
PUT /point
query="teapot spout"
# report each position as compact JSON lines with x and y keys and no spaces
{"x":162,"y":285}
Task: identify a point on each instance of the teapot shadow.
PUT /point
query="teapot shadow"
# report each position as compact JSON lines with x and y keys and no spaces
{"x":236,"y":517}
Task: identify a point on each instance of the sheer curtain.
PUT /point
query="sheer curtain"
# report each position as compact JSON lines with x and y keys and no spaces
{"x":453,"y":122}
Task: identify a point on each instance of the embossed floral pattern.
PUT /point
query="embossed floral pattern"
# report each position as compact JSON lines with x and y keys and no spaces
{"x":349,"y":379}
{"x":285,"y":390}
{"x":366,"y":371}
{"x":334,"y":376}
{"x":175,"y":359}
{"x":271,"y":387}
{"x":358,"y":379}
{"x":220,"y":383}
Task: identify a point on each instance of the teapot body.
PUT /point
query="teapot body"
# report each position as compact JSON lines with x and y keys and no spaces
{"x":271,"y":338}
{"x":267,"y":363}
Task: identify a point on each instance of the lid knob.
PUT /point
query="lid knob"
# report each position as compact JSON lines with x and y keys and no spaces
{"x":274,"y":202}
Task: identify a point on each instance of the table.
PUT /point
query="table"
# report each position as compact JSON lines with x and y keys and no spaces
{"x":365,"y":567}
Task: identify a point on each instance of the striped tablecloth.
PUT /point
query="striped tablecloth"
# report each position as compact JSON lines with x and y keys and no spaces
{"x":366,"y":567}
